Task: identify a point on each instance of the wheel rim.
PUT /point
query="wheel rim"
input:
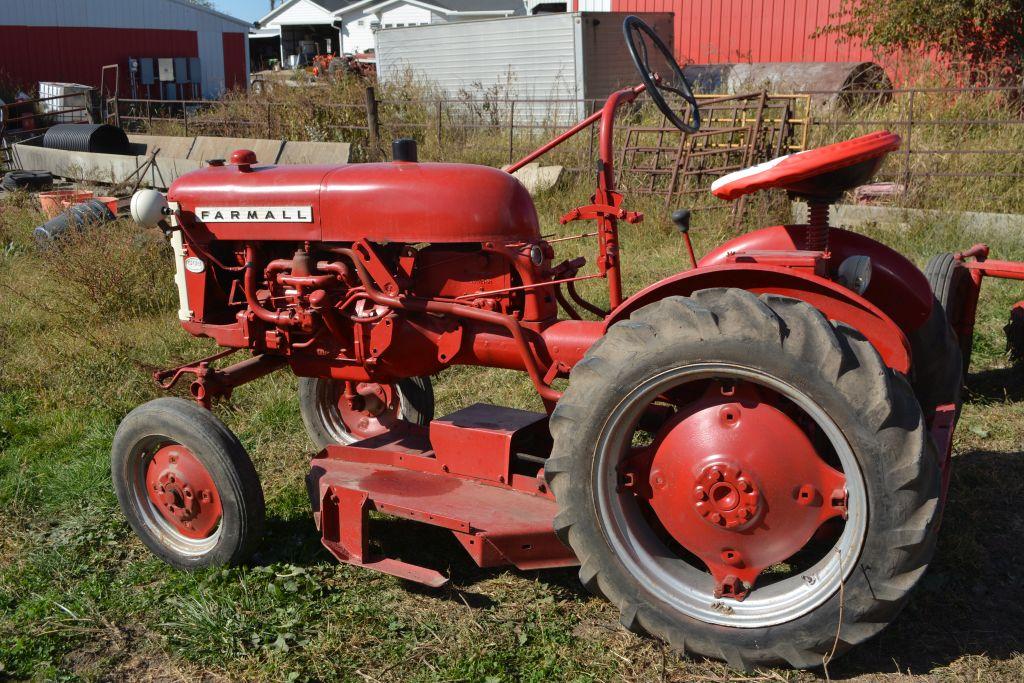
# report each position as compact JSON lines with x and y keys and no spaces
{"x":175,"y":496}
{"x":669,"y":533}
{"x":378,"y":410}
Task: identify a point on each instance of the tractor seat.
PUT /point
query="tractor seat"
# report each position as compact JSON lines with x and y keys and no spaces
{"x":824,"y":173}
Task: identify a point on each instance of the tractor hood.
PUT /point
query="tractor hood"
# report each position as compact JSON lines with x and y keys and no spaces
{"x":385,"y":202}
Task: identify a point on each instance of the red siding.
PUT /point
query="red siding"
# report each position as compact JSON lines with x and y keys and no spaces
{"x":716,"y":31}
{"x":234,"y":61}
{"x":29,"y":54}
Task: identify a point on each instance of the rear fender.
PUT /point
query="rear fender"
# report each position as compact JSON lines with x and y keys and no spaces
{"x":897,"y":286}
{"x":834,"y":301}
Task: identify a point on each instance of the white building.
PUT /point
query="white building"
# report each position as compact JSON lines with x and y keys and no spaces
{"x":347,"y":26}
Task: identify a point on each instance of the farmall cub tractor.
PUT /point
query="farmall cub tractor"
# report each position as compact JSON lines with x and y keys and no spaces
{"x":748,"y":459}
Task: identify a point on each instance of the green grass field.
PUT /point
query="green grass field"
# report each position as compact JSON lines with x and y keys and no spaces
{"x":82,"y":599}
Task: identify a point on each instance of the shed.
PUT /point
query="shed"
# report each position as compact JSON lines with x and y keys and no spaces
{"x":72,"y":40}
{"x":298,"y":28}
{"x":556,"y":60}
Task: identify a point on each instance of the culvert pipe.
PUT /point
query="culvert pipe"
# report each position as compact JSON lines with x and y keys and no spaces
{"x":101,"y":138}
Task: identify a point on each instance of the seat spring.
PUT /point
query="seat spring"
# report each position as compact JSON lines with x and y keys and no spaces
{"x":817,"y":226}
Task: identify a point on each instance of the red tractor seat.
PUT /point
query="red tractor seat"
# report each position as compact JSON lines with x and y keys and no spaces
{"x":821,"y":173}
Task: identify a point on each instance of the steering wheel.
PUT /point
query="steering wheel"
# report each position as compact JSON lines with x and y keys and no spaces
{"x":638,"y":34}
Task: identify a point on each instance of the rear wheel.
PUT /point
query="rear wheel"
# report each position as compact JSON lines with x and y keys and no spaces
{"x":331,"y":418}
{"x":738,"y":476}
{"x":186,"y":485}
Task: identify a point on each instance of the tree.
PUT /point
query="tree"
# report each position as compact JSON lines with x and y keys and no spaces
{"x":980,"y":32}
{"x":208,"y":4}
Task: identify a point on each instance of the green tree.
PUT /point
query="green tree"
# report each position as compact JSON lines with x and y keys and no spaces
{"x":981,"y":32}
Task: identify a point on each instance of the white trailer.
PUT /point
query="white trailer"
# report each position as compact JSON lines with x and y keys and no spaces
{"x":565,"y":59}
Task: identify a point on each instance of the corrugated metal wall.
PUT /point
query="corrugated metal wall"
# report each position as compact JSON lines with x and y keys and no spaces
{"x":29,"y":54}
{"x":70,"y":40}
{"x":717,"y":31}
{"x":521,"y":57}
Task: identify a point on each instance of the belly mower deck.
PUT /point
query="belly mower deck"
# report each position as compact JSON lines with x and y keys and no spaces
{"x":476,"y":472}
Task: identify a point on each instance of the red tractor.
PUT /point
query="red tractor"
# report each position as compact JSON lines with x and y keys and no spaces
{"x":748,"y":459}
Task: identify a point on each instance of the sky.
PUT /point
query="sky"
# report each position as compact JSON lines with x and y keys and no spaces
{"x":250,"y":10}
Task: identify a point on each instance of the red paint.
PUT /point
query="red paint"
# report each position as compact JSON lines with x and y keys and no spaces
{"x":403,"y":202}
{"x":460,"y":479}
{"x":720,"y":486}
{"x":234,"y":61}
{"x":804,"y":173}
{"x":183,"y":491}
{"x":30,"y":54}
{"x":715,"y":32}
{"x":897,"y":287}
{"x":372,"y":408}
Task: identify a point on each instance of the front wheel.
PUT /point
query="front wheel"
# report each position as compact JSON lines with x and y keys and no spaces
{"x":744,"y":479}
{"x":331,"y":418}
{"x":186,"y":485}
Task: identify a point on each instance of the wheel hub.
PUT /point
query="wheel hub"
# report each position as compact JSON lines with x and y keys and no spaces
{"x":724,"y":497}
{"x":183,"y":491}
{"x":372,"y":410}
{"x":735,"y":481}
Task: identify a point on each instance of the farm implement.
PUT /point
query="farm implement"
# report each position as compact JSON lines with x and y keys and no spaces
{"x":956,"y":280}
{"x":749,"y":455}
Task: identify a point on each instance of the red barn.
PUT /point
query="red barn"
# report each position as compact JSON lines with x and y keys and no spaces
{"x":71,"y":40}
{"x":729,"y":31}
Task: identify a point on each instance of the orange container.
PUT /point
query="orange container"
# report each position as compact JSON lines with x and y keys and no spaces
{"x":53,"y":202}
{"x":76,"y":197}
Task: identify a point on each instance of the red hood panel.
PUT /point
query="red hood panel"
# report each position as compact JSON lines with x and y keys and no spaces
{"x":411,"y":202}
{"x":392,"y":202}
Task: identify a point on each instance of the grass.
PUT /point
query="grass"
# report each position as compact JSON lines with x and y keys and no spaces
{"x":82,"y":599}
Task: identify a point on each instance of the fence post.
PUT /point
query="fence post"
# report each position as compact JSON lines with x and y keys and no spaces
{"x":906,"y":143}
{"x":440,"y":113}
{"x":184,"y":117}
{"x":270,"y":126}
{"x":149,"y":115}
{"x":372,"y":123}
{"x":511,"y":130}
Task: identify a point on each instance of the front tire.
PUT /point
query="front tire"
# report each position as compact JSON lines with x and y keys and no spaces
{"x":186,"y":485}
{"x":720,"y":357}
{"x":329,"y":421}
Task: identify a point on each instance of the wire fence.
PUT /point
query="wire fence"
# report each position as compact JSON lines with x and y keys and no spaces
{"x":962,"y":144}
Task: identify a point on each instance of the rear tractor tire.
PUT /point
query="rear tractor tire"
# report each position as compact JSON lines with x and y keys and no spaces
{"x":186,"y":485}
{"x":744,"y":479}
{"x":329,"y":420}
